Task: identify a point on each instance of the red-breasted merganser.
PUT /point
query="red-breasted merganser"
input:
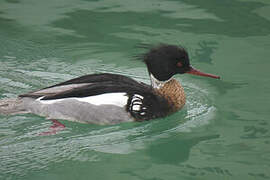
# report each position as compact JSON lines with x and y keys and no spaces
{"x":110,"y":98}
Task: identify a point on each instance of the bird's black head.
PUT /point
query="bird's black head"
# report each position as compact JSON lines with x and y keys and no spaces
{"x":164,"y":61}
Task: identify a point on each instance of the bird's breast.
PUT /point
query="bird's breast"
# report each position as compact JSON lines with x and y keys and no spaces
{"x":174,"y":93}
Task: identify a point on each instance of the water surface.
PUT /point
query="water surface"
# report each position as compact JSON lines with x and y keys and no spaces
{"x":223,"y":131}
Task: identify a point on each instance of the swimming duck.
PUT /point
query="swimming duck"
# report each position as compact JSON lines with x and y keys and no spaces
{"x":111,"y":98}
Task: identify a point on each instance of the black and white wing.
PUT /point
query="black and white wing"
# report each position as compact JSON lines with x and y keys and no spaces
{"x":139,"y":99}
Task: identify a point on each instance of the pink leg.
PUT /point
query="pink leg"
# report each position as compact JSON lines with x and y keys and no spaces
{"x":56,"y":127}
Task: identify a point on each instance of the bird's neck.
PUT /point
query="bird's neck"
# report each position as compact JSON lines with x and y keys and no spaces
{"x":157,"y":84}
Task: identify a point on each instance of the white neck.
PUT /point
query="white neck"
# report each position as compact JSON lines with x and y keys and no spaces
{"x":156,"y":84}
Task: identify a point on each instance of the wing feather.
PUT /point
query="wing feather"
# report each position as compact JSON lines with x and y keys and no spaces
{"x":89,"y":85}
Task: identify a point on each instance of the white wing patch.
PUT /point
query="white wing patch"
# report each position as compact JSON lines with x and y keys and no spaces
{"x":117,"y":99}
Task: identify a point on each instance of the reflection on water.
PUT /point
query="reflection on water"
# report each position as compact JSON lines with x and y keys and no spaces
{"x":165,"y":151}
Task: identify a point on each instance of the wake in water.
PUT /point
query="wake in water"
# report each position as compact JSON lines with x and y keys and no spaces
{"x":11,"y":107}
{"x":22,"y":151}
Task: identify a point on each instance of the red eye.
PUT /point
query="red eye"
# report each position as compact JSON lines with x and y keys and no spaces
{"x":179,"y":64}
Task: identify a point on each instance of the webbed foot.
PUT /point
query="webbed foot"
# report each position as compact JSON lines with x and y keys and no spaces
{"x":55,"y":128}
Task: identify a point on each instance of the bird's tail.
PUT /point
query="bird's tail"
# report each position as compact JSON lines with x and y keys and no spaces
{"x":11,"y":106}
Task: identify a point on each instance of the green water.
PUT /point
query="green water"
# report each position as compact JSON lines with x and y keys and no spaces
{"x":223,"y":131}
